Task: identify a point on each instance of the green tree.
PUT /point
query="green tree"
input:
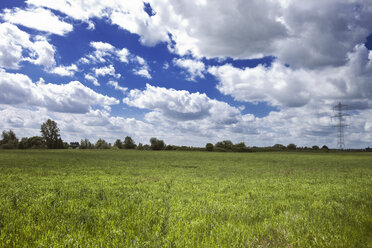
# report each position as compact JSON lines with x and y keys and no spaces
{"x":118,"y":144}
{"x":85,"y":144}
{"x":101,"y":144}
{"x":291,"y":147}
{"x":50,"y":133}
{"x":226,"y":145}
{"x":325,"y":148}
{"x":315,"y":148}
{"x":140,"y":146}
{"x":209,"y":147}
{"x":157,"y":144}
{"x":35,"y":142}
{"x":279,"y":147}
{"x":240,"y":147}
{"x":9,"y":140}
{"x":129,"y":143}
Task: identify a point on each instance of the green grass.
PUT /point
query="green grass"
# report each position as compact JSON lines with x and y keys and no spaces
{"x":72,"y":198}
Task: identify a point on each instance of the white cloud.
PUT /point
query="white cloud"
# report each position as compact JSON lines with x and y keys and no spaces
{"x":16,"y":46}
{"x":104,"y":52}
{"x":37,"y":18}
{"x":323,"y":32}
{"x":117,"y":86}
{"x":74,"y":97}
{"x":194,"y":68}
{"x":127,"y":15}
{"x":102,"y":46}
{"x":284,"y":86}
{"x":180,"y":105}
{"x":123,"y":55}
{"x":94,"y":80}
{"x":65,"y":70}
{"x":43,"y":53}
{"x":12,"y":42}
{"x":143,"y":72}
{"x":143,"y":68}
{"x":107,"y":70}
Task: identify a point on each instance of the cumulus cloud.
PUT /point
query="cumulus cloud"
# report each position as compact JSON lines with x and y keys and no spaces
{"x":181,"y":105}
{"x":143,"y":68}
{"x":284,"y":86}
{"x":117,"y":86}
{"x":323,"y":32}
{"x":195,"y":68}
{"x":92,"y":79}
{"x":65,"y":70}
{"x":126,"y":15}
{"x":37,"y":18}
{"x":74,"y":97}
{"x":16,"y":46}
{"x":107,"y":70}
{"x":105,"y":53}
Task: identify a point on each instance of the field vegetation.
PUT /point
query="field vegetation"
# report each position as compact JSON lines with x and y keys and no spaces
{"x":131,"y":198}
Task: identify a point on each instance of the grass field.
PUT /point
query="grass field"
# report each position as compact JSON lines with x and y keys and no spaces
{"x":92,"y":198}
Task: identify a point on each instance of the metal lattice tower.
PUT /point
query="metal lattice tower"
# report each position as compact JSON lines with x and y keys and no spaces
{"x":340,"y":109}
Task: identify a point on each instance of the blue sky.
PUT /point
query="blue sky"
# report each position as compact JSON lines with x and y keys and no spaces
{"x":187,"y":72}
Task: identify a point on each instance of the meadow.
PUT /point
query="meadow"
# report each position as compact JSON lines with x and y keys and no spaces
{"x":129,"y":198}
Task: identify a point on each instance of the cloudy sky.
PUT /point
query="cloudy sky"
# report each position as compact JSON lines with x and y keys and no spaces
{"x":188,"y":72}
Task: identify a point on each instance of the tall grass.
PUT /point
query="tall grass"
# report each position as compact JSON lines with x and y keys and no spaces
{"x":129,"y":198}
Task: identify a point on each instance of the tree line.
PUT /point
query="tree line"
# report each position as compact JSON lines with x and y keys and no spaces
{"x":51,"y":139}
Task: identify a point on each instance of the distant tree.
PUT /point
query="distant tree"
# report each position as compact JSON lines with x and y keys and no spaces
{"x":129,"y":143}
{"x":315,"y":148}
{"x":35,"y":142}
{"x":85,"y":144}
{"x":157,"y":144}
{"x":9,"y":140}
{"x":146,"y":147}
{"x":23,"y":144}
{"x":101,"y":144}
{"x":169,"y":148}
{"x":140,"y":146}
{"x":240,"y":147}
{"x":226,"y":144}
{"x":291,"y":146}
{"x":50,"y":133}
{"x":279,"y":147}
{"x":118,"y":144}
{"x":325,"y":148}
{"x":209,"y":147}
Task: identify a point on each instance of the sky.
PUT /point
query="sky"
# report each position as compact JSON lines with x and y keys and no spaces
{"x":262,"y":72}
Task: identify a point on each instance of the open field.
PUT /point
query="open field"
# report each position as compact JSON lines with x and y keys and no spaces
{"x":108,"y":198}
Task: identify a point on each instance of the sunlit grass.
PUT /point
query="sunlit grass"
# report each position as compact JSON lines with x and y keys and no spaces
{"x":184,"y":199}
